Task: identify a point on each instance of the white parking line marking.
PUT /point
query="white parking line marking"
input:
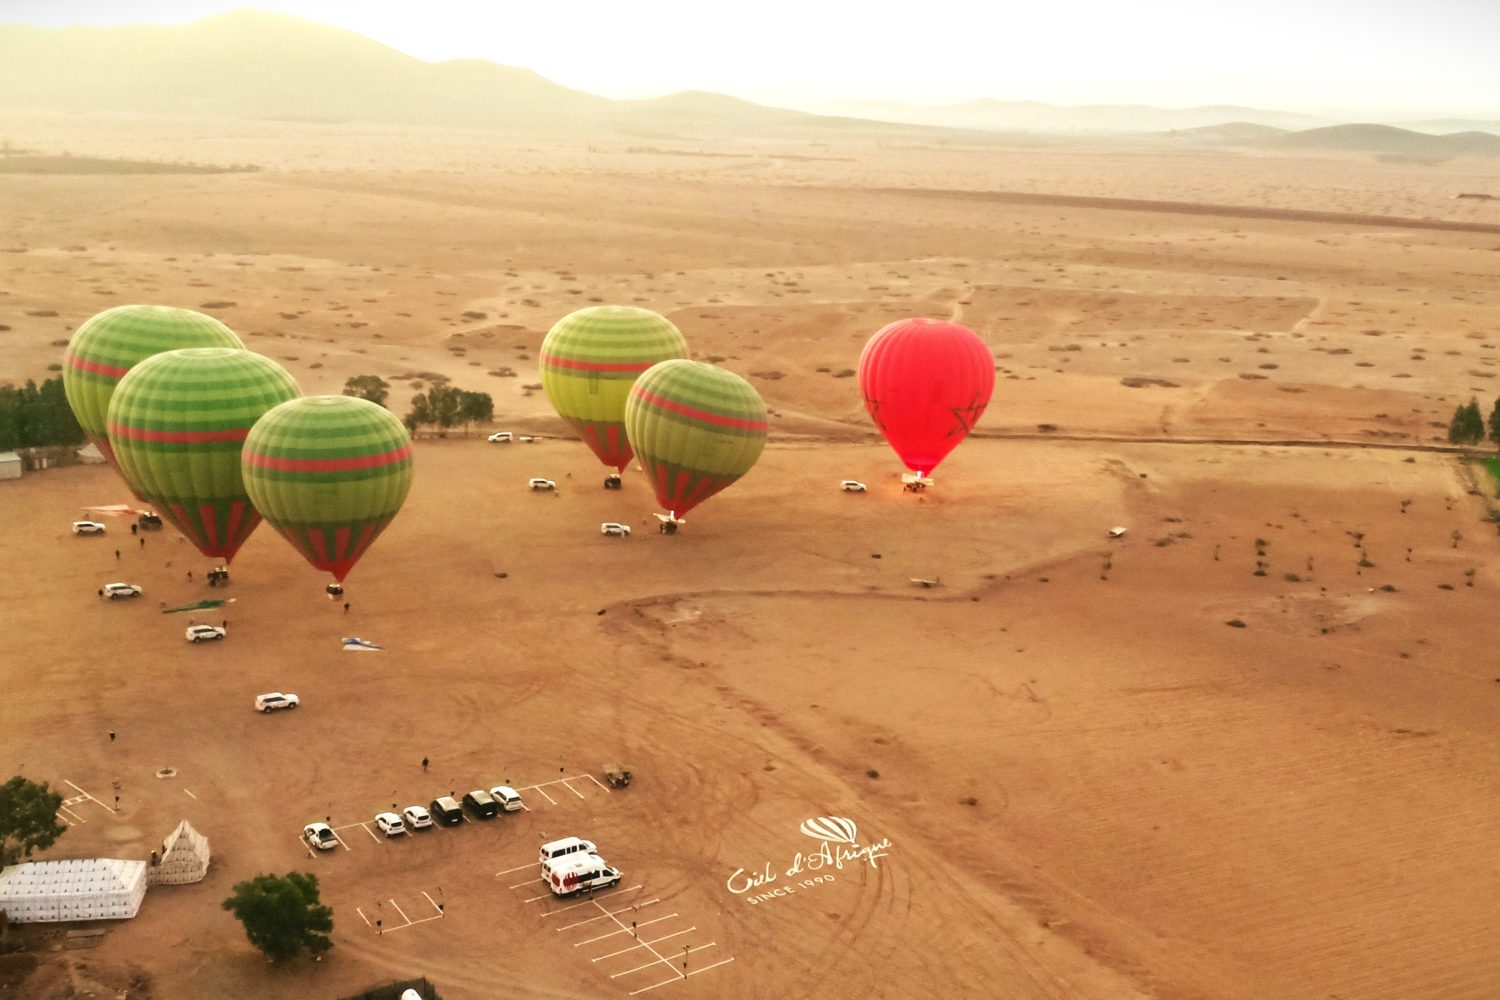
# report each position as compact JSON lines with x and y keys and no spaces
{"x":517,"y":868}
{"x":530,"y":881}
{"x":602,"y":914}
{"x":598,"y":782}
{"x":371,"y":833}
{"x":190,"y":794}
{"x":643,"y":944}
{"x":586,"y":902}
{"x":681,"y":975}
{"x":364,"y":918}
{"x":623,"y":930}
{"x":435,"y":906}
{"x":571,"y":788}
{"x":543,"y":794}
{"x":399,"y":910}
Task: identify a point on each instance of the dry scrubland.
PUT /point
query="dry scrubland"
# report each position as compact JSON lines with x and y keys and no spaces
{"x":1092,"y":786}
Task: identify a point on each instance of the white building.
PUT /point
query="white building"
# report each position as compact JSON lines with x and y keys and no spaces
{"x":10,"y":465}
{"x":77,"y":889}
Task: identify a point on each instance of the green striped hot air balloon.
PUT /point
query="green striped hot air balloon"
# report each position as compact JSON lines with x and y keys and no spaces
{"x":177,"y":422}
{"x":329,"y":473}
{"x":590,"y":359}
{"x":109,"y":344}
{"x":696,"y":428}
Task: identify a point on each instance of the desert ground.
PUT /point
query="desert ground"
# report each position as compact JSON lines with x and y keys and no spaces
{"x":1099,"y":768}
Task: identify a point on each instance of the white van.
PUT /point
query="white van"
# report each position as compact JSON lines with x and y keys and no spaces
{"x":578,"y":872}
{"x":567,"y":845}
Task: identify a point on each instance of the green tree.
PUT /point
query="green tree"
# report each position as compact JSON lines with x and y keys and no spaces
{"x":420,"y":413}
{"x":1494,"y":423}
{"x":475,"y":407}
{"x":282,"y":914}
{"x":10,"y":418}
{"x":56,"y":423}
{"x":28,"y":819}
{"x":371,"y":387}
{"x":1467,"y":426}
{"x":444,"y":400}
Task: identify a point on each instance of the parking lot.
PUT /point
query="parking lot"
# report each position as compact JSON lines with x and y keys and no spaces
{"x":635,"y":938}
{"x":542,"y":795}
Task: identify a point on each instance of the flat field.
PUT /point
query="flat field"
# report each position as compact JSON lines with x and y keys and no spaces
{"x":1076,"y":767}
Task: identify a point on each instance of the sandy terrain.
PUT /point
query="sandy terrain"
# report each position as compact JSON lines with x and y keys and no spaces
{"x":1091,"y":785}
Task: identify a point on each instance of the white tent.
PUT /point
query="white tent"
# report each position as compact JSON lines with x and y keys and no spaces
{"x":10,"y":465}
{"x":77,"y":889}
{"x":184,"y":858}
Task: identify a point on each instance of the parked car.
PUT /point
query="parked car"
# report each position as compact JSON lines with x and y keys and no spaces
{"x":321,"y":836}
{"x":612,"y":481}
{"x":120,"y":591}
{"x":507,"y":798}
{"x":482,"y":804}
{"x":87,"y":528}
{"x":578,"y":872}
{"x":567,"y":845}
{"x":203,"y":633}
{"x":538,"y":483}
{"x":271,"y":702}
{"x":390,"y":824}
{"x":852,"y":486}
{"x":416,"y":817}
{"x":446,"y":810}
{"x":149,"y":520}
{"x":500,"y":437}
{"x":615,"y":528}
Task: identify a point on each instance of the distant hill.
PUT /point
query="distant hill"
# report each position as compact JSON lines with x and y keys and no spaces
{"x":253,"y":64}
{"x":1443,"y":126}
{"x":1228,"y":134}
{"x":1390,"y":141}
{"x":257,"y":65}
{"x":1034,"y":116}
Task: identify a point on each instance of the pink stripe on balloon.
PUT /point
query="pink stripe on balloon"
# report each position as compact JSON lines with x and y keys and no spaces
{"x":177,"y":437}
{"x":278,"y":464}
{"x":716,"y":419}
{"x":597,"y":366}
{"x":95,"y":368}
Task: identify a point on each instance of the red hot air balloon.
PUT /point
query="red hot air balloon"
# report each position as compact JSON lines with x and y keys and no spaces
{"x":925,"y":382}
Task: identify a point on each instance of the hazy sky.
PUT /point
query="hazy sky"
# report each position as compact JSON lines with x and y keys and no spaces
{"x":1370,"y":56}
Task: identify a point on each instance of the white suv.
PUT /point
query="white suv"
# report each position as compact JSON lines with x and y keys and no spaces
{"x":203,"y":633}
{"x":120,"y":591}
{"x":87,"y":528}
{"x":271,"y":702}
{"x":500,"y":437}
{"x":852,"y":486}
{"x":390,"y":824}
{"x":538,"y":483}
{"x":321,"y":836}
{"x":614,"y":528}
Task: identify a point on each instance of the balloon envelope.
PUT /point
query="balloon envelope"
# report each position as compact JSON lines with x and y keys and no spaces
{"x":108,"y":344}
{"x":590,"y":359}
{"x":177,"y":422}
{"x":329,"y":473}
{"x":925,"y":382}
{"x":696,"y":428}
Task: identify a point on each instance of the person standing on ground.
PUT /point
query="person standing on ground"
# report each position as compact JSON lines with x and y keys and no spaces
{"x":117,"y":555}
{"x":346,"y":607}
{"x":111,"y":735}
{"x":424,"y":765}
